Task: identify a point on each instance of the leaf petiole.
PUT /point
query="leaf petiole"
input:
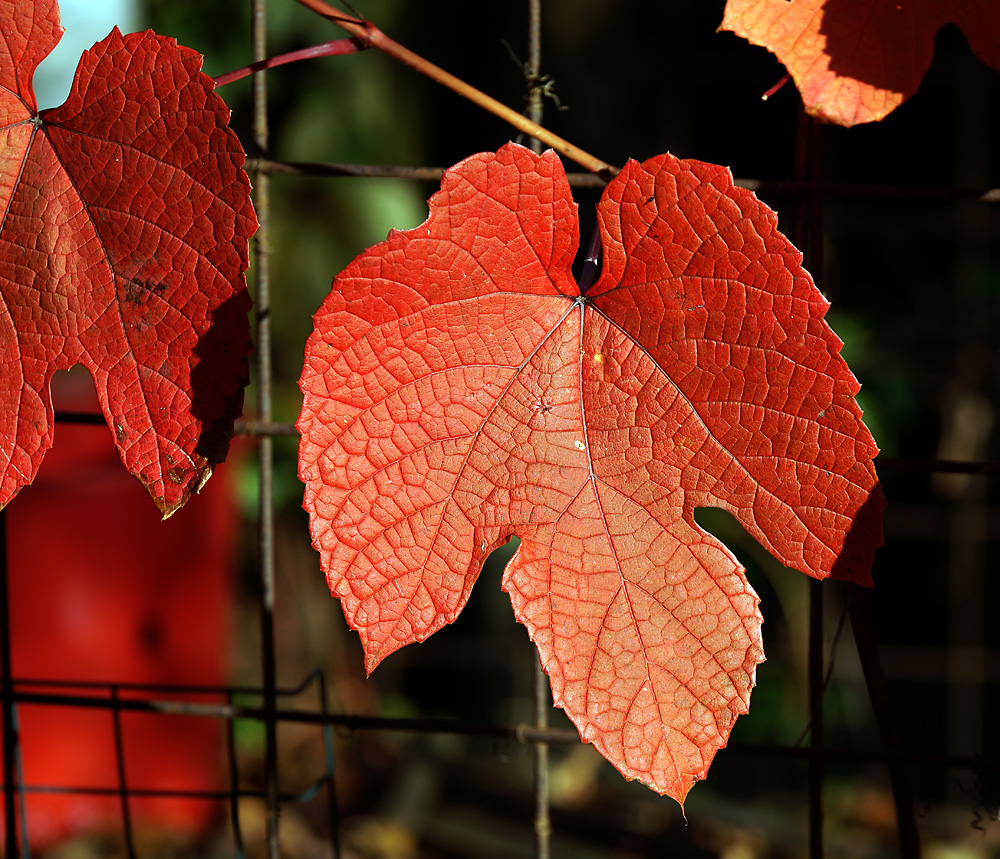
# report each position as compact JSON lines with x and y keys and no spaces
{"x":327,"y":49}
{"x":776,"y":87}
{"x":590,"y":261}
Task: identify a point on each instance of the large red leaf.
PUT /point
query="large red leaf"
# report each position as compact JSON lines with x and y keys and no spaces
{"x":460,"y":390}
{"x":124,"y":224}
{"x":858,"y":60}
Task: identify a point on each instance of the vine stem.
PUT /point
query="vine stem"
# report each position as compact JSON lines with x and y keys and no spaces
{"x":328,"y":49}
{"x":368,"y":34}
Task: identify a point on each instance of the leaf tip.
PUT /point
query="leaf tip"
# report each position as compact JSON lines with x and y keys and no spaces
{"x":166,"y":509}
{"x":372,"y":661}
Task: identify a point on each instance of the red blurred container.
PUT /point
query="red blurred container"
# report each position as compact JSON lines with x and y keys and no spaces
{"x":102,"y":590}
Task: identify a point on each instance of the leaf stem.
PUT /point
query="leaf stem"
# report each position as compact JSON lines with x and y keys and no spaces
{"x":590,"y":261}
{"x":775,"y":88}
{"x":327,"y":49}
{"x":371,"y":36}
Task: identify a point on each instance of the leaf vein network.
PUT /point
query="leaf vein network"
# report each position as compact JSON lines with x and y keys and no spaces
{"x":17,"y":181}
{"x":708,"y":432}
{"x":592,"y":479}
{"x":460,"y":471}
{"x":682,"y":623}
{"x":143,"y":155}
{"x":200,"y":254}
{"x":410,"y":384}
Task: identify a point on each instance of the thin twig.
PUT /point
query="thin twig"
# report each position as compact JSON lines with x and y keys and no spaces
{"x":337,"y":47}
{"x":826,"y":677}
{"x":871,"y":666}
{"x":371,"y":35}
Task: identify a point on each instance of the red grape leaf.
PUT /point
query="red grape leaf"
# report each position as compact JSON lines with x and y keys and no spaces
{"x":124,"y":225}
{"x":857,"y":60}
{"x":459,"y":390}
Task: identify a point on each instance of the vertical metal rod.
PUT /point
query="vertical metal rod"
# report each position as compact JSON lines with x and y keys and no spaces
{"x":234,"y":783}
{"x":807,"y":233}
{"x":967,"y":385}
{"x":542,"y":694}
{"x":262,"y":303}
{"x":816,"y":708}
{"x":116,"y":715}
{"x":815,"y":658}
{"x":11,"y":784}
{"x":543,"y":821}
{"x":331,"y":785}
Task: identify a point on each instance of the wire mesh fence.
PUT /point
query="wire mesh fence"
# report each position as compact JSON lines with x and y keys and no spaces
{"x":306,"y":750}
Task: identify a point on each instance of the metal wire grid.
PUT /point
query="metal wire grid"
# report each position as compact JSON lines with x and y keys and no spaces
{"x":220,"y":703}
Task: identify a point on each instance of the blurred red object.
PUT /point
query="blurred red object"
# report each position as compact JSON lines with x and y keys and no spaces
{"x":102,"y":590}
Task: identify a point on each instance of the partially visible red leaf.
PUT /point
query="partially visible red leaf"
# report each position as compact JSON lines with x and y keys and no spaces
{"x":857,"y":60}
{"x":459,"y":390}
{"x":124,"y":225}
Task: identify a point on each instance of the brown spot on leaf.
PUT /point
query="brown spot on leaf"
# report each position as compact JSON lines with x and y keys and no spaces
{"x":177,"y":475}
{"x":139,"y":291}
